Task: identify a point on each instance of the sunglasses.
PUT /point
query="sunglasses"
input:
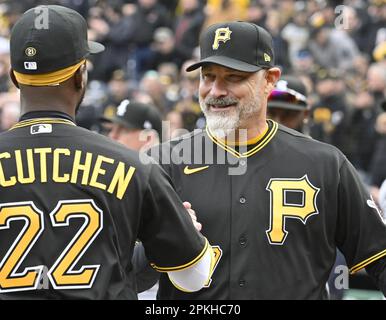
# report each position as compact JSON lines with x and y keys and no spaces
{"x":288,"y":96}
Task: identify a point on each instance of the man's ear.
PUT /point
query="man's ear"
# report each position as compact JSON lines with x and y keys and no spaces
{"x":13,"y":78}
{"x":152,"y":140}
{"x":80,"y":77}
{"x":272,"y":76}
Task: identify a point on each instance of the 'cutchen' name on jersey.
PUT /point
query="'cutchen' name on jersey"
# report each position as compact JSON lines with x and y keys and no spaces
{"x":63,"y":165}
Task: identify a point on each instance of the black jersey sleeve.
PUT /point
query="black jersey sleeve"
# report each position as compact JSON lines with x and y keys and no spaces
{"x":377,"y":270}
{"x":146,"y":276}
{"x":162,"y":154}
{"x":361,"y":232}
{"x":171,"y":242}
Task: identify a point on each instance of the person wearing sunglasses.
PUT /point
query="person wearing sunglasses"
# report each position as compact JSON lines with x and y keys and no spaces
{"x":287,"y":103}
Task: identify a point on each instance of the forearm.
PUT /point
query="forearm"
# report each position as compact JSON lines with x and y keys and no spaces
{"x":194,"y":278}
{"x":190,"y":279}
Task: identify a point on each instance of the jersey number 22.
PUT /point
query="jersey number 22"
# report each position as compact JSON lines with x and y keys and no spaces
{"x":62,"y":274}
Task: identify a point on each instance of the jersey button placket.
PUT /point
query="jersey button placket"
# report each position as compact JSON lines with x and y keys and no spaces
{"x":242,"y":241}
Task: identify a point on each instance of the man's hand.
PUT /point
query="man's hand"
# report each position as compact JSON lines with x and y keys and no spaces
{"x":193,"y":216}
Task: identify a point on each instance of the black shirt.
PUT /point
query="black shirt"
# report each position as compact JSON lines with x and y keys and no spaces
{"x":275,"y":212}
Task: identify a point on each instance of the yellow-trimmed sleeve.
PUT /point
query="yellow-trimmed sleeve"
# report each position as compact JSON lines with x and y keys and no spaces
{"x":195,"y":277}
{"x":186,"y":265}
{"x":366,"y":262}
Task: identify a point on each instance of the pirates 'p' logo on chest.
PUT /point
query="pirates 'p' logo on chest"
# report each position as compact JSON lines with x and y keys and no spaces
{"x":221,"y":35}
{"x":281,"y":210}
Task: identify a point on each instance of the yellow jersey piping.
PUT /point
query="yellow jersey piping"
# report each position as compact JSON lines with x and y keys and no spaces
{"x":260,"y":145}
{"x":212,"y":266}
{"x":186,"y":265}
{"x":30,"y":122}
{"x":366,"y":262}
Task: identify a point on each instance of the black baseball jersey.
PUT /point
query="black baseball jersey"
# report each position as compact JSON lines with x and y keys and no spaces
{"x":274,"y":211}
{"x":72,"y":205}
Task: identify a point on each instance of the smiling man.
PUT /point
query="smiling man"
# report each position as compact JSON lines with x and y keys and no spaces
{"x":236,"y":78}
{"x":275,"y":225}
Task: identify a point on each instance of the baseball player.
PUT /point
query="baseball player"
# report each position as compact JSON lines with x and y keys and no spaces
{"x":73,"y":202}
{"x":274,"y":203}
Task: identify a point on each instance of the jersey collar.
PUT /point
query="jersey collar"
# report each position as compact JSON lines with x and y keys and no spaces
{"x":46,"y":114}
{"x":260,"y":144}
{"x":35,"y":117}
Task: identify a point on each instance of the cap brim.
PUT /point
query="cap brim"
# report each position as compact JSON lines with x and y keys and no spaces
{"x":286,"y":105}
{"x":119,"y":121}
{"x":225,"y":62}
{"x":95,"y":47}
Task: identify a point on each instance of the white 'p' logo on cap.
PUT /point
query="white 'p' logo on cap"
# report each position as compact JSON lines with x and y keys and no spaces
{"x":121,"y":110}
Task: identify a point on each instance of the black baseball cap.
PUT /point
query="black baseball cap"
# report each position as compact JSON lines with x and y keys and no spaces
{"x":238,"y":45}
{"x":136,"y":115}
{"x":289,"y":93}
{"x":49,"y":38}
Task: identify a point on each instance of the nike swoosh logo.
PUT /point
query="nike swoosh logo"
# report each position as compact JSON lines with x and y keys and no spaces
{"x":187,"y":170}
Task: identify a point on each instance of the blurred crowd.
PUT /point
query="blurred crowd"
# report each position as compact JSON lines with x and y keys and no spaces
{"x":337,"y":48}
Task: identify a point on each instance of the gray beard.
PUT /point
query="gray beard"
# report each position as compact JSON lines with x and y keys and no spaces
{"x":225,"y":123}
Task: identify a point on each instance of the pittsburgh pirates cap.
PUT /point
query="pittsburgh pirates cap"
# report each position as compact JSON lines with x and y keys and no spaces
{"x":136,"y":115}
{"x":239,"y":45}
{"x":289,"y":93}
{"x":49,"y":38}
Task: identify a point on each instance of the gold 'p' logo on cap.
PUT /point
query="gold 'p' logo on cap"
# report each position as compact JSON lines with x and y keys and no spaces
{"x":30,"y":51}
{"x":221,"y":34}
